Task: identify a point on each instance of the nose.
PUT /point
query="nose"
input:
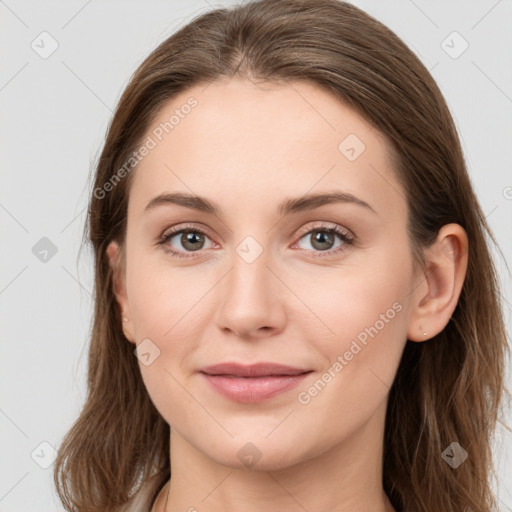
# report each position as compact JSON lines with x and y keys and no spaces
{"x":251,"y":299}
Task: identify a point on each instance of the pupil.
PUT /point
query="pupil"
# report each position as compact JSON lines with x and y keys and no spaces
{"x":323,"y":238}
{"x":191,"y":238}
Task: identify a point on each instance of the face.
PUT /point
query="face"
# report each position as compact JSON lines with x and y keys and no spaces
{"x":298,"y":256}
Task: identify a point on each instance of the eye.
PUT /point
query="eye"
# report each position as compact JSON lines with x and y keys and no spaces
{"x":190,"y":238}
{"x":322,"y":239}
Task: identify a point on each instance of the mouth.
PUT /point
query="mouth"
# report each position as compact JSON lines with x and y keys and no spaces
{"x":252,"y":370}
{"x":252,"y":383}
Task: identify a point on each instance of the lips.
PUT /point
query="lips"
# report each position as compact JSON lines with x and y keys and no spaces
{"x":253,"y":370}
{"x":252,"y":383}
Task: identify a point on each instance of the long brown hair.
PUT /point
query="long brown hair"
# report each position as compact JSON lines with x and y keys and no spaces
{"x":446,"y":389}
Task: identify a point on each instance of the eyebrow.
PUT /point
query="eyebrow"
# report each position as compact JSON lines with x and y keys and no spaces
{"x":293,"y":205}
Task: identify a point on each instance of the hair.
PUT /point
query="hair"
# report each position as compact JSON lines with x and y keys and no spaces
{"x":446,"y":389}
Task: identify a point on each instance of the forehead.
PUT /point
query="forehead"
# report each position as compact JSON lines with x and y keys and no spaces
{"x":247,"y":145}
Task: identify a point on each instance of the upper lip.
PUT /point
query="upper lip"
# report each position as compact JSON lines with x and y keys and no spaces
{"x":252,"y":370}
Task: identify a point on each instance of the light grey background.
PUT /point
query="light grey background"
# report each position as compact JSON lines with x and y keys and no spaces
{"x":54,"y":115}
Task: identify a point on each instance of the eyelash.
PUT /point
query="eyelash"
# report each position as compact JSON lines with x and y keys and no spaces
{"x":345,"y":237}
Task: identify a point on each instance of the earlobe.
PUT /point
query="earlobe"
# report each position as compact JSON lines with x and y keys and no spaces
{"x":119,"y":289}
{"x":436,"y":297}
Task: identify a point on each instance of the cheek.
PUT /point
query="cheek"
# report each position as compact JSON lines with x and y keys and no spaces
{"x":365,"y":309}
{"x":166,"y":310}
{"x":361,"y":301}
{"x":355,"y":382}
{"x":164,"y":301}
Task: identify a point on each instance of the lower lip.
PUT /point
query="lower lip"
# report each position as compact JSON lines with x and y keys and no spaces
{"x":253,"y":389}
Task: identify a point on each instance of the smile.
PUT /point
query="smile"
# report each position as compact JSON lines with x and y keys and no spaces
{"x":253,"y":389}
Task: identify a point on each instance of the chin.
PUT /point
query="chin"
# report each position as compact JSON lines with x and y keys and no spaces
{"x":258,"y":455}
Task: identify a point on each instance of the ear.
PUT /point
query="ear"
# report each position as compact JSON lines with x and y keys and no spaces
{"x":435,"y":298}
{"x":119,"y":286}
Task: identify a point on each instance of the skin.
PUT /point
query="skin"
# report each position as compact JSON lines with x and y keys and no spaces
{"x":248,"y":147}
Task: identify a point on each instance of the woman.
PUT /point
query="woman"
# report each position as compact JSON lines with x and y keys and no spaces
{"x":287,"y":240}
